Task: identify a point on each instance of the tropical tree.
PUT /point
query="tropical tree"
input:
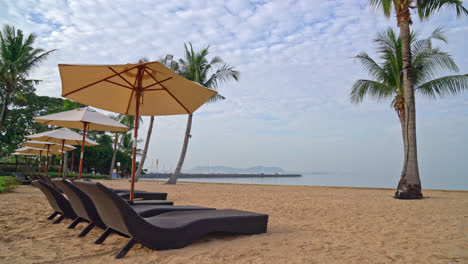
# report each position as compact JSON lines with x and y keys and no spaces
{"x":409,"y":186}
{"x":211,"y":74}
{"x":428,"y":61}
{"x":17,"y":58}
{"x":168,"y":62}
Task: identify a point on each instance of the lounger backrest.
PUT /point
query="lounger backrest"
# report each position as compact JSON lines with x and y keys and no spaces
{"x":56,"y":199}
{"x":49,"y":181}
{"x":76,"y":197}
{"x":113,"y":210}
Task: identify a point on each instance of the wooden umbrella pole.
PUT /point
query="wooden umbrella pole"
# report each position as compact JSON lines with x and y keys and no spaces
{"x":47,"y":161}
{"x":30,"y":166}
{"x":135,"y":133}
{"x":82,"y":151}
{"x":61,"y":158}
{"x":40,"y":162}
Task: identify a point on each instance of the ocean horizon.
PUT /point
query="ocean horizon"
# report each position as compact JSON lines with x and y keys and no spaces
{"x":329,"y":179}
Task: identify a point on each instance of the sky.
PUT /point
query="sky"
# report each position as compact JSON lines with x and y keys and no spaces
{"x":290,"y":107}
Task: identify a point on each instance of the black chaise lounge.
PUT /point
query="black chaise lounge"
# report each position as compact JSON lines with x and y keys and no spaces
{"x":86,"y":210}
{"x":22,"y":178}
{"x":169,"y":230}
{"x":84,"y":207}
{"x":57,"y":201}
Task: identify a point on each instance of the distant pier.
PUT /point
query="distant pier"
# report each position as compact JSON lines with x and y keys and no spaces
{"x":218,"y":175}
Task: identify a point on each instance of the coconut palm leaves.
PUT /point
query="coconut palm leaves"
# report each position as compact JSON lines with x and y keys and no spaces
{"x":427,"y":60}
{"x":17,"y":59}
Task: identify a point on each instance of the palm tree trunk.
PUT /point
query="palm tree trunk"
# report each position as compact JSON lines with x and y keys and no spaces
{"x":409,"y":186}
{"x":114,"y":155}
{"x":145,"y":150}
{"x":8,"y":91}
{"x":175,"y":176}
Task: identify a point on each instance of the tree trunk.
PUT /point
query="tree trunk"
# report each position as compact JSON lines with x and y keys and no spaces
{"x":409,"y":186}
{"x":175,"y":176}
{"x":114,"y":155}
{"x":145,"y":150}
{"x":8,"y":91}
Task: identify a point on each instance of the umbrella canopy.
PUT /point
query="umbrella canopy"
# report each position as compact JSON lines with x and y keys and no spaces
{"x":83,"y":118}
{"x":133,"y":89}
{"x":35,"y":151}
{"x":77,"y":118}
{"x":46,"y":145}
{"x":62,"y":136}
{"x":161,"y":91}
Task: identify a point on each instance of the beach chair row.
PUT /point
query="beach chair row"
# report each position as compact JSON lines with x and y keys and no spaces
{"x":150,"y":220}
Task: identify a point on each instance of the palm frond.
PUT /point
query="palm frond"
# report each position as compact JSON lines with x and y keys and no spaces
{"x":428,"y":7}
{"x":375,"y":90}
{"x":382,"y":5}
{"x":370,"y":65}
{"x":444,"y":86}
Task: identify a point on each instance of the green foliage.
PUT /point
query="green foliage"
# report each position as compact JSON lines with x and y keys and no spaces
{"x":427,"y":61}
{"x":211,"y":74}
{"x":8,"y":183}
{"x":425,"y":8}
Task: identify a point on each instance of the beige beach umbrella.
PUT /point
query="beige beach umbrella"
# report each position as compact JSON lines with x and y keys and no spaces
{"x":148,"y":89}
{"x":62,"y":136}
{"x":36,"y":152}
{"x":48,"y":146}
{"x":83,"y":118}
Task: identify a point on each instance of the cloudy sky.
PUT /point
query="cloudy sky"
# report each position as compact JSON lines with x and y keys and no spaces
{"x":291,"y":106}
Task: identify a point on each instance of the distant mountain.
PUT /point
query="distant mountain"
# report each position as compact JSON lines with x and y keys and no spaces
{"x":224,"y":169}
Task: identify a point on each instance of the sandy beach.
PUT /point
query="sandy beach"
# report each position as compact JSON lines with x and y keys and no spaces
{"x":306,"y":225}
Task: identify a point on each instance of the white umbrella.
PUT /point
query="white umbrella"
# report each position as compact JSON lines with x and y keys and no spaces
{"x":82,"y":118}
{"x":62,"y":136}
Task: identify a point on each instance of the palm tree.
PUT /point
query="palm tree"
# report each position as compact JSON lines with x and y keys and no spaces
{"x":17,"y":59}
{"x":211,"y":74}
{"x":387,"y":82}
{"x":168,"y":62}
{"x":409,"y":186}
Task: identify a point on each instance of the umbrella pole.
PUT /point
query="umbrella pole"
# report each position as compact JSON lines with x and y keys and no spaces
{"x":135,"y":133}
{"x":61,"y":158}
{"x":30,"y":166}
{"x":82,"y":151}
{"x":47,"y":161}
{"x":40,"y":161}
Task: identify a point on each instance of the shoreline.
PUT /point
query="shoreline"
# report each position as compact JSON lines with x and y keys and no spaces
{"x":291,"y":185}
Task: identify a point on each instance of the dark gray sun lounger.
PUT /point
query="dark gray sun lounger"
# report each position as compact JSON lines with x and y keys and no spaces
{"x":57,"y":201}
{"x":86,"y":210}
{"x":169,"y":230}
{"x":22,"y":178}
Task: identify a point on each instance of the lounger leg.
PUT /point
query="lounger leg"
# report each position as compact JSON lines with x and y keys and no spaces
{"x":52,"y":216}
{"x":59,"y":219}
{"x":74,"y":223}
{"x":126,"y":248}
{"x":86,"y":230}
{"x":103,"y":237}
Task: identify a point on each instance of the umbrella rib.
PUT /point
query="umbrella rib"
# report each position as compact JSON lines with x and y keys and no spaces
{"x":164,"y":87}
{"x":118,"y":74}
{"x":91,"y":84}
{"x":119,"y":84}
{"x":157,"y":82}
{"x":129,"y":102}
{"x":159,"y":89}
